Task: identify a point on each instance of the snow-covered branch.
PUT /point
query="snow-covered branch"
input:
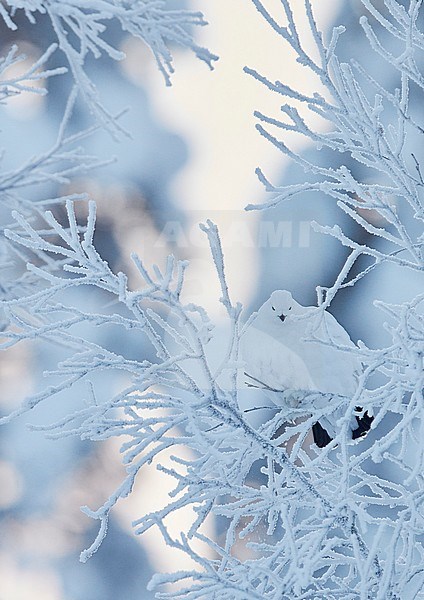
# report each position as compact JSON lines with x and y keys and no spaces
{"x":364,"y":121}
{"x":175,"y":400}
{"x":301,"y":520}
{"x":81,"y":27}
{"x":11,"y":85}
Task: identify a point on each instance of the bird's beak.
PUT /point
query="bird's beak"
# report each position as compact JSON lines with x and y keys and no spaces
{"x":282,"y":317}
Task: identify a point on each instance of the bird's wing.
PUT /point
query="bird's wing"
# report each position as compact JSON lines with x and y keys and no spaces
{"x":272,"y":362}
{"x":335,"y":331}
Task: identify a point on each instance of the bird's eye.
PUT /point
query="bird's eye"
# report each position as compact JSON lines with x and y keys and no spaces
{"x":272,"y":308}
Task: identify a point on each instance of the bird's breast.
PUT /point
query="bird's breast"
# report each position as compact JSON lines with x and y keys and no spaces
{"x":273,"y":363}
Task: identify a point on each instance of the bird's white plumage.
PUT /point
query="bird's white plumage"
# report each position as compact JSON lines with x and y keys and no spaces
{"x":272,"y":363}
{"x":277,"y":352}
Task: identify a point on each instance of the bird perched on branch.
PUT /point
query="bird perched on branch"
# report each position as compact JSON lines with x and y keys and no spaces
{"x":281,"y":350}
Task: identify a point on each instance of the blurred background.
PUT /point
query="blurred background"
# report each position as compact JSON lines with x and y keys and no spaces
{"x":192,"y":156}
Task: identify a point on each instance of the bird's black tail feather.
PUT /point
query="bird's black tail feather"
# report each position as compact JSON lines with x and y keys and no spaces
{"x":322,"y":439}
{"x":364,"y":425}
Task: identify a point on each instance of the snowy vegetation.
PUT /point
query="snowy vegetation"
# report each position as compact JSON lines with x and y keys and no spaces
{"x":344,"y":521}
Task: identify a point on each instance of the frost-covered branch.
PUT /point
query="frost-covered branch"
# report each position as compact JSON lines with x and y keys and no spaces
{"x":362,"y":120}
{"x":81,"y":27}
{"x":65,"y":159}
{"x":300,"y":521}
{"x":11,"y":85}
{"x":175,"y":400}
{"x":59,"y":164}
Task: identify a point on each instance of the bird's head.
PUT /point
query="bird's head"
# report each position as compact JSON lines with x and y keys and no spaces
{"x":281,"y":305}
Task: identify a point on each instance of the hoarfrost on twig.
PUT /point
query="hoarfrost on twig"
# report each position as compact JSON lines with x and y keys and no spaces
{"x":344,"y":521}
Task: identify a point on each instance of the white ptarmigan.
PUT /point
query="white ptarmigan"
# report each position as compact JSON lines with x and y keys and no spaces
{"x":279,"y":357}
